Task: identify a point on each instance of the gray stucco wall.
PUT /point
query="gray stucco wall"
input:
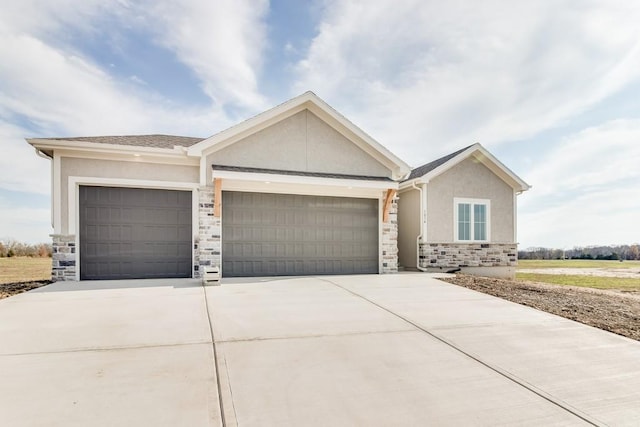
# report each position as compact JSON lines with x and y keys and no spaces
{"x":302,"y":142}
{"x":408,"y":227}
{"x":70,"y":166}
{"x":469,"y":179}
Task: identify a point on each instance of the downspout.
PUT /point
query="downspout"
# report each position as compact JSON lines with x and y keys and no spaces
{"x":50,"y":158}
{"x":413,"y":184}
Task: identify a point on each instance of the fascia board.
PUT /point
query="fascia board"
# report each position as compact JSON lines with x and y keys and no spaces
{"x":363,"y":141}
{"x":497,"y":167}
{"x":240,"y":131}
{"x":317,"y":106}
{"x":359,"y":137}
{"x":249,"y":126}
{"x":129,"y":157}
{"x":305,"y":180}
{"x":487,"y":159}
{"x":106,"y":148}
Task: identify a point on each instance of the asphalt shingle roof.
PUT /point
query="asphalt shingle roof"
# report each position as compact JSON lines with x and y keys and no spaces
{"x":426,"y":168}
{"x":154,"y":141}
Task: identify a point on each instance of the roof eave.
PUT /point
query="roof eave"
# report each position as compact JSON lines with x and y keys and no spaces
{"x":516,"y":183}
{"x":57,"y":144}
{"x":313,"y":103}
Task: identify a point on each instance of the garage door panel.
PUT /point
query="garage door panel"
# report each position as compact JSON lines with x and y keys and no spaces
{"x":279,"y":234}
{"x":134,"y":233}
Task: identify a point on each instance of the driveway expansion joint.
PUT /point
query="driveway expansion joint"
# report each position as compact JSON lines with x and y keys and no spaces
{"x":216,"y":364}
{"x":101,"y":349}
{"x":543,"y":394}
{"x":296,"y":337}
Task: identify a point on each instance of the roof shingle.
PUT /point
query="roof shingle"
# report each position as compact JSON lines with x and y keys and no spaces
{"x":426,"y":168}
{"x":153,"y":141}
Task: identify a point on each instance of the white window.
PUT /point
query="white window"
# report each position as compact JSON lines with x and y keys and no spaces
{"x":471,"y":220}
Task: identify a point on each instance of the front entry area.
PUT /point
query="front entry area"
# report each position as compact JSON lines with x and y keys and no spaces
{"x":266,"y":234}
{"x":134,"y":233}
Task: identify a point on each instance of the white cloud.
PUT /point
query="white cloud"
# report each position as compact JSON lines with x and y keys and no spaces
{"x":426,"y":78}
{"x":46,"y":84}
{"x":222,"y":42}
{"x":22,"y":169}
{"x":586,"y":190}
{"x":65,"y":95}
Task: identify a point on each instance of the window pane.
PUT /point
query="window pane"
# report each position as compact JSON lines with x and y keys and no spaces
{"x":464,"y":221}
{"x":479,"y":222}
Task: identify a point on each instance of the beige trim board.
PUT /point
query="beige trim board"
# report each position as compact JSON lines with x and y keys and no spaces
{"x":305,"y":180}
{"x":74,"y":202}
{"x":313,"y":103}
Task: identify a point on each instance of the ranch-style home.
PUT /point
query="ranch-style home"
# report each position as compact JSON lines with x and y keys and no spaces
{"x":296,"y":190}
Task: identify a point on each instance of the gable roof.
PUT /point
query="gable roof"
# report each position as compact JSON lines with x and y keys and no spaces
{"x":309,"y":101}
{"x":151,"y":141}
{"x":424,"y":169}
{"x":432,"y":169}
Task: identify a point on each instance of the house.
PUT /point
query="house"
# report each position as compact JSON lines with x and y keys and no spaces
{"x":296,"y":190}
{"x":460,"y":212}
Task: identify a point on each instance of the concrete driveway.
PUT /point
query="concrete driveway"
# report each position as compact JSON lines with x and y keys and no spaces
{"x":402,"y":349}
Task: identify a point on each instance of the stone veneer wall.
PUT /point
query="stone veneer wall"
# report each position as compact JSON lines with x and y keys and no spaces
{"x":207,"y":247}
{"x":63,"y":262}
{"x":468,"y":255}
{"x":390,"y":240}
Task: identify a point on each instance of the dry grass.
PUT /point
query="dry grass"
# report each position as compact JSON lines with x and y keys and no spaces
{"x":575,"y":263}
{"x":626,"y":284}
{"x":24,"y":269}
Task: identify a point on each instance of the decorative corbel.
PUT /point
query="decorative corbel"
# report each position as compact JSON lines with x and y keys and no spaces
{"x":217,"y":197}
{"x":387,"y":204}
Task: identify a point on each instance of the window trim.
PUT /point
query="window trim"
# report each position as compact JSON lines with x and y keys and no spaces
{"x":460,"y":200}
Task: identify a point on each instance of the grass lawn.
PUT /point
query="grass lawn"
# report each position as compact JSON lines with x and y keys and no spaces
{"x":620,"y":283}
{"x":24,"y":269}
{"x":575,"y":263}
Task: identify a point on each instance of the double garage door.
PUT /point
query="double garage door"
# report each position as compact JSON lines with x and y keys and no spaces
{"x":283,"y":234}
{"x":130,"y":233}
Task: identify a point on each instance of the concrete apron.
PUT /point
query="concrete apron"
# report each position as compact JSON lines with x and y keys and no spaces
{"x":398,"y":349}
{"x":407,"y":349}
{"x":108,"y":353}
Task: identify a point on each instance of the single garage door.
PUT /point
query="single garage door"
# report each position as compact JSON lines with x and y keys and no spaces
{"x":284,"y":234}
{"x":134,"y":233}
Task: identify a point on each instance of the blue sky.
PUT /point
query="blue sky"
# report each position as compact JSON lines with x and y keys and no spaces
{"x":551,"y":88}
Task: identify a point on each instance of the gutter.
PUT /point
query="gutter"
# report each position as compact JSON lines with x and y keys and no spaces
{"x":42,"y":154}
{"x":413,"y":184}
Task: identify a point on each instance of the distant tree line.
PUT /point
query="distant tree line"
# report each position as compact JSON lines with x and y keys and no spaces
{"x":619,"y":252}
{"x":11,"y":248}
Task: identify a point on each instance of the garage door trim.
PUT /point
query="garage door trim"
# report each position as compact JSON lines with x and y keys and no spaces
{"x":378,"y":200}
{"x":73,"y":202}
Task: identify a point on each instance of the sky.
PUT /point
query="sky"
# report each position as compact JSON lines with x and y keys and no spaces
{"x":551,"y":88}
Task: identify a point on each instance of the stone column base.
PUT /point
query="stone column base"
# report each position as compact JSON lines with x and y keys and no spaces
{"x":63,"y":266}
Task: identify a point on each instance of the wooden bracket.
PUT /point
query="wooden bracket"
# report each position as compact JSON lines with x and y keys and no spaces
{"x":217,"y":197}
{"x":387,"y":204}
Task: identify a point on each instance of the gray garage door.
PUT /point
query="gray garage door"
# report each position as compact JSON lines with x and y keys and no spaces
{"x":283,"y":234}
{"x":128,"y":233}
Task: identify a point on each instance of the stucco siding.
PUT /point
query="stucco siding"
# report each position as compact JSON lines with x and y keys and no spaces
{"x":302,"y":142}
{"x":408,"y":227}
{"x":70,"y":166}
{"x":469,"y":179}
